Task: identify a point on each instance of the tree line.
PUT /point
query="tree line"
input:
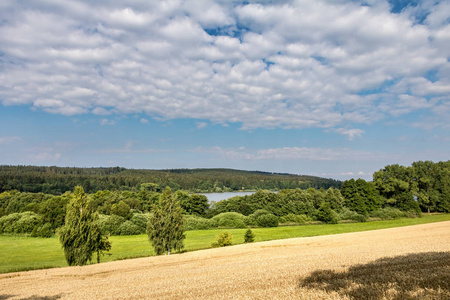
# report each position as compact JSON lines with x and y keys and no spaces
{"x":57,"y":180}
{"x":395,"y":190}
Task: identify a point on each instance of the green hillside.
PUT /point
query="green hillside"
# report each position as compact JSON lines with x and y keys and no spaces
{"x":57,"y":180}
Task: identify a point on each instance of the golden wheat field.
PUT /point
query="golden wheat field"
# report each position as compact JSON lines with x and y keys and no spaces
{"x":399,"y":263}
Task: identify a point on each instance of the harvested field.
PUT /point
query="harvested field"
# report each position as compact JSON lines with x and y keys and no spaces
{"x":399,"y":263}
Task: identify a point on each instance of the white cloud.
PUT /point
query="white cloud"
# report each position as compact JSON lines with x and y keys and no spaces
{"x":100,"y":111}
{"x":130,"y":148}
{"x":201,"y":125}
{"x":347,"y":175}
{"x":294,"y":64}
{"x":107,"y":122}
{"x":144,"y":121}
{"x":350,"y":133}
{"x":45,"y":157}
{"x":293,"y":153}
{"x":6,"y":140}
{"x":127,"y":17}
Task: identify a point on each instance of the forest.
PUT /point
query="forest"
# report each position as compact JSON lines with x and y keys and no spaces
{"x":396,"y":191}
{"x":57,"y":180}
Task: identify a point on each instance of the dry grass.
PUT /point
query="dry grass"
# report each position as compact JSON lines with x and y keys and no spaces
{"x":400,"y":263}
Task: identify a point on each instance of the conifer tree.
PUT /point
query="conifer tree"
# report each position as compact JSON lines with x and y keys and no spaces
{"x":165,"y":228}
{"x":249,"y":236}
{"x":81,"y":235}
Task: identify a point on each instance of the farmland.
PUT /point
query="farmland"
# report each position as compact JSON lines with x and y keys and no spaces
{"x":343,"y":266}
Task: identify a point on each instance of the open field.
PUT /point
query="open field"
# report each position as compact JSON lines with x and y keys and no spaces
{"x":400,"y":263}
{"x":22,"y":253}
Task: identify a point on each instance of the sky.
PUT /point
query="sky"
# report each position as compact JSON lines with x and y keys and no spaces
{"x":331,"y":88}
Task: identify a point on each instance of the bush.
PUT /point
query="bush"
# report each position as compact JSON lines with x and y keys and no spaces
{"x":121,"y":209}
{"x":110,"y":224}
{"x":229,"y":220}
{"x":19,"y":222}
{"x":388,"y":213}
{"x":198,"y":223}
{"x":27,"y":222}
{"x":299,"y":219}
{"x":267,"y":220}
{"x":7,"y":222}
{"x":223,"y":239}
{"x":140,"y":220}
{"x":326,"y":214}
{"x":347,"y":214}
{"x":360,"y":218}
{"x":44,"y":231}
{"x":128,"y":228}
{"x":252,"y":219}
{"x":259,"y":212}
{"x":249,"y":221}
{"x":249,"y":236}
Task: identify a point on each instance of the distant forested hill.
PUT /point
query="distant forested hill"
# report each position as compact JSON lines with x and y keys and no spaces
{"x":57,"y":180}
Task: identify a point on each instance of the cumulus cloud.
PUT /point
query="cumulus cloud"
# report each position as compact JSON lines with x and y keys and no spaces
{"x":292,"y":64}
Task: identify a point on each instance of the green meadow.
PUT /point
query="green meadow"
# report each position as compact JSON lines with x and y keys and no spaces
{"x":20,"y":253}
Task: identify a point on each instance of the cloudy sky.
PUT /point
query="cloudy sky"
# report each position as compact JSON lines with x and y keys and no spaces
{"x":334,"y":88}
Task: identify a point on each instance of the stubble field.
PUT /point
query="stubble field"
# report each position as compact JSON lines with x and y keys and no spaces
{"x":399,"y":263}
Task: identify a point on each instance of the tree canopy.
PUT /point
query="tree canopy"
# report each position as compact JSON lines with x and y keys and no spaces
{"x":166,"y":226}
{"x":81,"y":235}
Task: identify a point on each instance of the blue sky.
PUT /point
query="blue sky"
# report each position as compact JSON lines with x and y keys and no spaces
{"x":329,"y":88}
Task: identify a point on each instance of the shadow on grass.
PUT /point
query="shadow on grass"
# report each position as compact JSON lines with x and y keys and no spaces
{"x":413,"y":276}
{"x":4,"y":297}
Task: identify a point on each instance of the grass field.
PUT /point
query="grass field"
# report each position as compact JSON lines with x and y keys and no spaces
{"x":25,"y":253}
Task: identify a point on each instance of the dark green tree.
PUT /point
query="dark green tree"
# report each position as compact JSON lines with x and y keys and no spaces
{"x":397,"y":184}
{"x":442,"y":186}
{"x":394,"y":183}
{"x":165,"y":227}
{"x":360,"y":196}
{"x":334,"y":197}
{"x":121,"y":209}
{"x":326,"y":214}
{"x":194,"y":204}
{"x":81,"y":235}
{"x":249,"y":236}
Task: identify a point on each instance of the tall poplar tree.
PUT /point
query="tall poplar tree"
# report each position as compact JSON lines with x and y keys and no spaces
{"x":165,"y":228}
{"x":81,"y":235}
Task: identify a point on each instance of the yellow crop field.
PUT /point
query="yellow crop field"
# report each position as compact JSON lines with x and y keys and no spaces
{"x":398,"y":263}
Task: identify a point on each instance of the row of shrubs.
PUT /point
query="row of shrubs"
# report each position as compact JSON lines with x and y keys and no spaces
{"x":32,"y":224}
{"x":263,"y":218}
{"x":260,"y":218}
{"x":25,"y":223}
{"x":117,"y":225}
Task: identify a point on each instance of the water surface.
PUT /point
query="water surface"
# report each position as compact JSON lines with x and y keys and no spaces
{"x":214,"y":197}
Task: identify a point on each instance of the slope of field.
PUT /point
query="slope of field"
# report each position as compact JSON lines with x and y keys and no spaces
{"x":402,"y":262}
